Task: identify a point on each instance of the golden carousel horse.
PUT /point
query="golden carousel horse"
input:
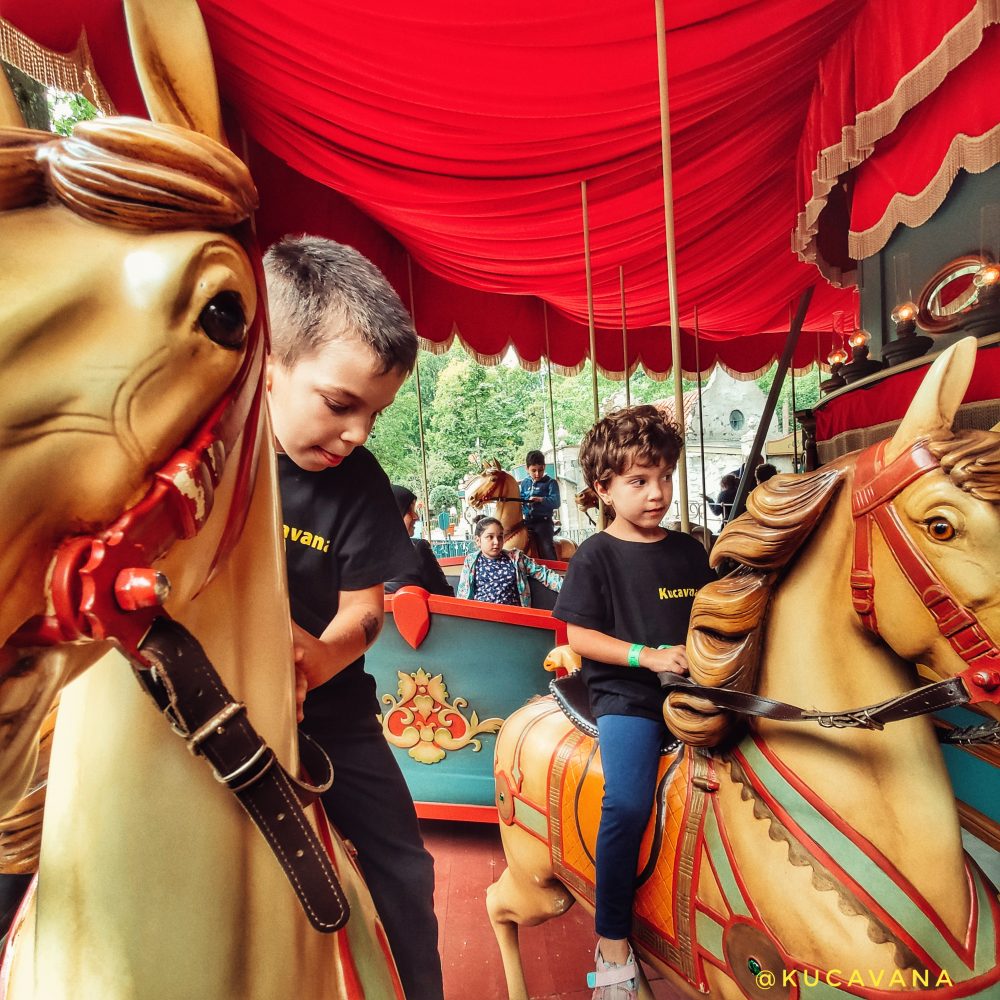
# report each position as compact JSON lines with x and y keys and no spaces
{"x":786,"y":859}
{"x":141,"y":540}
{"x":495,"y":486}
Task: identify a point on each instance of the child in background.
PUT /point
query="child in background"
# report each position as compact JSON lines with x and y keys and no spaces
{"x":539,"y":503}
{"x":497,"y":575}
{"x":427,"y":572}
{"x":627,"y":601}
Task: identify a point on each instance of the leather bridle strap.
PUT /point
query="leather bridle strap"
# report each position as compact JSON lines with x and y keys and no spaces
{"x":950,"y":693}
{"x":195,"y":701}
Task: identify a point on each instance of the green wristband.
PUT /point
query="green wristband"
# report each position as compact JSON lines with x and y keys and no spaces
{"x":633,"y":653}
{"x":665,"y":646}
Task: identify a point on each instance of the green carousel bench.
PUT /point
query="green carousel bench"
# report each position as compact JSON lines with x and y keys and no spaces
{"x":448,"y":673}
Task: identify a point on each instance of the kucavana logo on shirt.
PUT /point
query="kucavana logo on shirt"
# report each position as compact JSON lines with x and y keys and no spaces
{"x":307,"y":538}
{"x":665,"y":593}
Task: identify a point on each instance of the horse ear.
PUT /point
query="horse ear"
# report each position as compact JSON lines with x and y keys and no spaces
{"x":174,"y":64}
{"x":10,"y":113}
{"x":936,"y":401}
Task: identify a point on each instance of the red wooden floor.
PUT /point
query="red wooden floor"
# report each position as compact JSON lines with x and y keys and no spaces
{"x":557,"y":955}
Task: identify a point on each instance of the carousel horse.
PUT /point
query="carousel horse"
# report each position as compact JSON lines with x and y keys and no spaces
{"x":141,"y":540}
{"x":495,"y":486}
{"x":783,"y":858}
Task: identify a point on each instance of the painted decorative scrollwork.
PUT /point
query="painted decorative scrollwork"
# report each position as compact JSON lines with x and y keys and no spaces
{"x":423,"y":722}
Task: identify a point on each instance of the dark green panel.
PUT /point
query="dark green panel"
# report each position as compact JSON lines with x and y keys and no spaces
{"x":495,"y":667}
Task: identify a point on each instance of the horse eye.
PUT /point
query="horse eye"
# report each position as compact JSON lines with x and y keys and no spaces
{"x":941,"y":530}
{"x":223,"y":320}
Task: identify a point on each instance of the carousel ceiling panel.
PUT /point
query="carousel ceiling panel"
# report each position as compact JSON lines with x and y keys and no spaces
{"x":449,"y":143}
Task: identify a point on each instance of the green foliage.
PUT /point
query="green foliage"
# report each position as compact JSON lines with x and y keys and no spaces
{"x":66,"y":109}
{"x":443,"y":497}
{"x":806,"y":389}
{"x":472,"y":413}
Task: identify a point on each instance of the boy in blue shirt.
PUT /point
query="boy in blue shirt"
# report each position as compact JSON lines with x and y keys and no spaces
{"x":539,"y":502}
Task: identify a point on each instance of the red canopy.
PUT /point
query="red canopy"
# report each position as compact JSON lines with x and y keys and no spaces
{"x":448,"y":142}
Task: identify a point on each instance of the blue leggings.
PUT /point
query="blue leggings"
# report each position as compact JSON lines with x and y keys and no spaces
{"x":630,"y":756}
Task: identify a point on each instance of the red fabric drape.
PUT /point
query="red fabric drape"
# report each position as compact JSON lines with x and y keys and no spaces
{"x":459,"y":135}
{"x":883,"y":74}
{"x":889,"y":399}
{"x":956,"y":127}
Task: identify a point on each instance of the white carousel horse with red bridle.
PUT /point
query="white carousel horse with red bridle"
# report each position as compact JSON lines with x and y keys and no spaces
{"x":141,"y":536}
{"x":494,"y":485}
{"x":796,"y":859}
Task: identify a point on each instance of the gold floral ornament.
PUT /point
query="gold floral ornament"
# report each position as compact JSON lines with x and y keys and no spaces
{"x":424,"y":723}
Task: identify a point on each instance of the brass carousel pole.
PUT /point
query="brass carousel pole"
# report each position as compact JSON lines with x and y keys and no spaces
{"x":420,"y":406}
{"x":795,"y":423}
{"x":590,"y":325}
{"x":552,"y":409}
{"x":706,"y":537}
{"x":590,"y":297}
{"x":621,"y":286}
{"x":668,"y":219}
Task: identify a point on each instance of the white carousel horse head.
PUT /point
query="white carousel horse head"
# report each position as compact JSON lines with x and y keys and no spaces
{"x":795,"y":846}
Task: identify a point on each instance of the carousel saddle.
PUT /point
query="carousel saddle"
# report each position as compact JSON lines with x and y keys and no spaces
{"x":570,"y":694}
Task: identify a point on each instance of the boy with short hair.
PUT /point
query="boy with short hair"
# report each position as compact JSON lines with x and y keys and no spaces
{"x":341,"y":346}
{"x":627,"y":601}
{"x":539,"y":502}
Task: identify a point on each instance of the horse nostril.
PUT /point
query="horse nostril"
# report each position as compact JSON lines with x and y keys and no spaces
{"x":224,"y":321}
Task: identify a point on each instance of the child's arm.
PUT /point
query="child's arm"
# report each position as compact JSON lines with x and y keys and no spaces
{"x":550,"y":578}
{"x":352,"y":630}
{"x":596,"y":645}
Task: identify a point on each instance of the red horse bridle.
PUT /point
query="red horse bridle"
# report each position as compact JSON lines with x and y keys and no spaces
{"x":106,"y":586}
{"x":876,"y":485}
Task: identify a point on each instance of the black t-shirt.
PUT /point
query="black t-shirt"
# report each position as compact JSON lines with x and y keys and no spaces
{"x":427,"y":573}
{"x":342,"y":532}
{"x":636,"y":591}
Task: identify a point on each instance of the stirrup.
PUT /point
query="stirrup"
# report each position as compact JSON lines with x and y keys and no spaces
{"x":613,"y":974}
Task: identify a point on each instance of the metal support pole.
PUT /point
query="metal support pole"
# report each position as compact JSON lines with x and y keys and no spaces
{"x":552,"y":409}
{"x":739,"y":502}
{"x":668,"y":219}
{"x":625,"y":364}
{"x":420,"y":408}
{"x":701,"y":434}
{"x":590,"y":297}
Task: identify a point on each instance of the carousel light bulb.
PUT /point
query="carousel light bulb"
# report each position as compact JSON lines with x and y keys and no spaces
{"x":987,"y":275}
{"x":837,"y":356}
{"x":904,"y":312}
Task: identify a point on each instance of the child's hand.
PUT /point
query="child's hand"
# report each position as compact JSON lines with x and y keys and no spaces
{"x":661,"y":661}
{"x":308,"y":651}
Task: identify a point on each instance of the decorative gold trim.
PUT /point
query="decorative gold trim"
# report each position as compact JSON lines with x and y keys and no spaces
{"x":71,"y":71}
{"x":858,"y":140}
{"x":965,"y":266}
{"x":974,"y":154}
{"x":426,"y":725}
